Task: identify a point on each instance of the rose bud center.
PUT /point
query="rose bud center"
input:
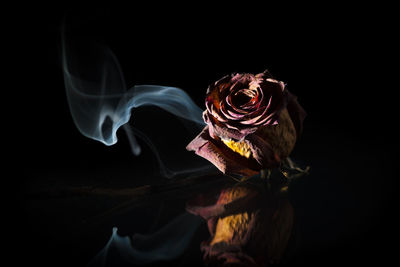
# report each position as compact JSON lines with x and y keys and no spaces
{"x":243,"y":97}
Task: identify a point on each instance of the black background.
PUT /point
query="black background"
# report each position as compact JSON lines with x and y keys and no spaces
{"x":329,"y":57}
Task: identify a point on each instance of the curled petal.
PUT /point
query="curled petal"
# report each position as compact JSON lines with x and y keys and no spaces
{"x":205,"y":146}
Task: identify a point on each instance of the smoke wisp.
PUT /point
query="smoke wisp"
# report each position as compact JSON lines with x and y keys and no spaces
{"x":100,"y":102}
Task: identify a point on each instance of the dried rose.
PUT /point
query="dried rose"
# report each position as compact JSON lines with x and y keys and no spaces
{"x":253,"y":122}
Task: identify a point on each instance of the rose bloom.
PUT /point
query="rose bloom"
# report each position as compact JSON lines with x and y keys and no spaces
{"x":253,"y":122}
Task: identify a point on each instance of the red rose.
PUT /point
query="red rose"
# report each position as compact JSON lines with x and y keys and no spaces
{"x":253,"y":122}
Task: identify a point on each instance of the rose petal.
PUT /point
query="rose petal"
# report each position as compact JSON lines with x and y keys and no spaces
{"x":281,"y":137}
{"x":204,"y":146}
{"x":223,"y":131}
{"x":262,"y":151}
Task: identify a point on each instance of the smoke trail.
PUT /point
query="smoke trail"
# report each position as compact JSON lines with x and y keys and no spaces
{"x":100,"y":102}
{"x":101,"y":105}
{"x":167,"y":243}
